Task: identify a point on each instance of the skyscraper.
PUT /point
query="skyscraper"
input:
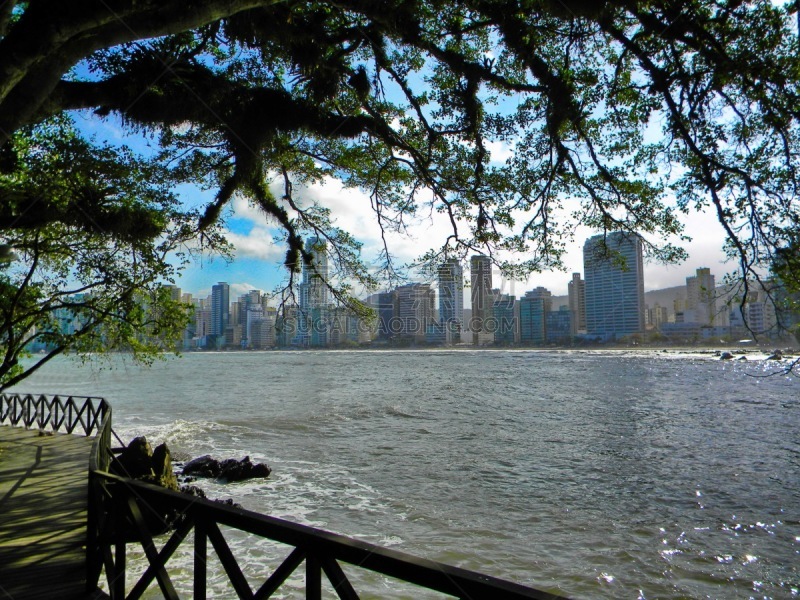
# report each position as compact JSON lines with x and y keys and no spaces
{"x":220,"y":309}
{"x":386,"y":307}
{"x":532,"y":319}
{"x":313,"y":292}
{"x":482,"y":299}
{"x":313,"y":288}
{"x":174,"y":292}
{"x":451,"y":297}
{"x":701,"y":299}
{"x":414,"y":310}
{"x":504,"y":325}
{"x":614,"y":285}
{"x":577,"y":303}
{"x":247,"y":302}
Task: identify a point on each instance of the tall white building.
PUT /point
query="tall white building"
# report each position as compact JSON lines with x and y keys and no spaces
{"x":613,"y":270}
{"x":313,"y":289}
{"x":313,"y":292}
{"x":480,"y":268}
{"x":759,"y":316}
{"x":701,"y":299}
{"x":576,"y":289}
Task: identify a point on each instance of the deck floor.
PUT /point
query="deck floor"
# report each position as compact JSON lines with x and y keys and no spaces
{"x":43,"y":500}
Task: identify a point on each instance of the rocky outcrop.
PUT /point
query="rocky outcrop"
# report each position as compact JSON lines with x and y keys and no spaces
{"x":135,"y":460}
{"x":228,"y":470}
{"x":140,"y":461}
{"x":163,"y":473}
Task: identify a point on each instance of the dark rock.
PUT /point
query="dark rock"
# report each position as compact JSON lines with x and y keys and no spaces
{"x":202,"y":466}
{"x":725,"y":356}
{"x":776,"y":355}
{"x":193,"y":490}
{"x":135,"y":461}
{"x":163,"y":474}
{"x":233,"y":470}
{"x":140,"y":461}
{"x":742,"y":358}
{"x":228,"y":470}
{"x":229,"y":502}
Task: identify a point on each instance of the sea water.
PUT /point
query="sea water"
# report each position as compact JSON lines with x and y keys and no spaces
{"x":594,"y":474}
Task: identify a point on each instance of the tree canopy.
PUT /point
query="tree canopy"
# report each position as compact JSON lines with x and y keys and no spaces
{"x":620,"y":115}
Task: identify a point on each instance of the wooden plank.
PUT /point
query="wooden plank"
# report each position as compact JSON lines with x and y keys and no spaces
{"x":43,"y":502}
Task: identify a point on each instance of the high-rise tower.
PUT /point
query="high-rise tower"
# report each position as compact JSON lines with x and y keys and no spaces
{"x":451,"y":297}
{"x":220,"y":308}
{"x":482,"y":299}
{"x":614,"y":285}
{"x":701,"y":298}
{"x":414,"y":310}
{"x":577,"y":303}
{"x":311,"y":327}
{"x":534,"y":307}
{"x":313,"y":288}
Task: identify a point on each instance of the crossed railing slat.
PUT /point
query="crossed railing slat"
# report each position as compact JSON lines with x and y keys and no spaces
{"x":70,"y":414}
{"x":322,"y":552}
{"x":123,"y":511}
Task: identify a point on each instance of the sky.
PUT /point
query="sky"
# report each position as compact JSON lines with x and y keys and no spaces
{"x":258,"y":259}
{"x":257,"y":262}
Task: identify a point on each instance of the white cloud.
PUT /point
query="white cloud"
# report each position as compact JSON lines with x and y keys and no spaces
{"x":240,"y":289}
{"x":500,"y":151}
{"x":351,"y":210}
{"x":243,"y":209}
{"x":256,"y":243}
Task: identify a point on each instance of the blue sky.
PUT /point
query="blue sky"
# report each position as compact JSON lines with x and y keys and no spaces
{"x":257,"y":262}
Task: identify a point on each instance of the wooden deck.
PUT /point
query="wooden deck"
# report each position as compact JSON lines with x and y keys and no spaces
{"x":43,"y":500}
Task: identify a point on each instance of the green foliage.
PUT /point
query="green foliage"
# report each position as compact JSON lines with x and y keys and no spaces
{"x":618,"y":116}
{"x":74,"y":285}
{"x":786,"y":272}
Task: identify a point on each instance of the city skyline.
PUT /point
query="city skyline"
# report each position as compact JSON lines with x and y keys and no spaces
{"x":407,"y":315}
{"x":605,"y":303}
{"x":515,"y":288}
{"x":459,"y":277}
{"x":259,"y":259}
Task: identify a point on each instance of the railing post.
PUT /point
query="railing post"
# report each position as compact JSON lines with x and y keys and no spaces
{"x":200,"y":558}
{"x":313,"y":578}
{"x":118,"y":527}
{"x":26,"y":419}
{"x":94,"y":563}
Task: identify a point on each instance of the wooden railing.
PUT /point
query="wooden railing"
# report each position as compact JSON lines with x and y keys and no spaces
{"x":134,"y":510}
{"x":97,"y":528}
{"x":66,"y":414}
{"x":124,"y":511}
